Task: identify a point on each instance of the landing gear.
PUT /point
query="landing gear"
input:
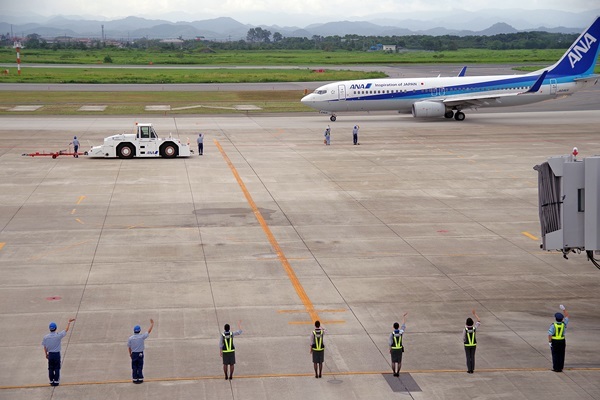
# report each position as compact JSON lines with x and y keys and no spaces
{"x":332,"y":118}
{"x":449,"y":114}
{"x":459,"y":116}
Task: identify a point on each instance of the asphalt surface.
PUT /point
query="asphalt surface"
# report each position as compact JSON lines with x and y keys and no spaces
{"x":271,"y":227}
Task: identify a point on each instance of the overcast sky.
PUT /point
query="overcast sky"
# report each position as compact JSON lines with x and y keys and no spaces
{"x":266,"y":11}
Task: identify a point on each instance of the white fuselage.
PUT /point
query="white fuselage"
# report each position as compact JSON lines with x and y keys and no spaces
{"x":401,"y":94}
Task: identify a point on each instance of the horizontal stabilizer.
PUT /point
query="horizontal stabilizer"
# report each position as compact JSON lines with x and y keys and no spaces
{"x":538,"y":84}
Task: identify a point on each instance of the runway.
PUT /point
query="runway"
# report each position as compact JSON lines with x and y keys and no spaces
{"x":271,"y":227}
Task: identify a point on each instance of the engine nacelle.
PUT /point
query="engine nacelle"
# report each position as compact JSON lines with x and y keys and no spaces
{"x":427,"y":109}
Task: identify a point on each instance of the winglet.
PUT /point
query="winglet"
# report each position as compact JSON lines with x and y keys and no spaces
{"x":538,"y":84}
{"x":463,"y":71}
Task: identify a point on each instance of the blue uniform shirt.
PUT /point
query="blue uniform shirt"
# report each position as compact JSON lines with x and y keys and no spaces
{"x":52,"y":341}
{"x":136,"y":342}
{"x":400,"y":331}
{"x":551,"y":330}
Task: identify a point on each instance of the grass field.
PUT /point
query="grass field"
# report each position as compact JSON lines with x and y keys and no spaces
{"x":166,"y":76}
{"x":277,"y":57}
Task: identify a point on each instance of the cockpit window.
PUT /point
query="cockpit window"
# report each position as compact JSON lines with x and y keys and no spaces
{"x":320,"y":91}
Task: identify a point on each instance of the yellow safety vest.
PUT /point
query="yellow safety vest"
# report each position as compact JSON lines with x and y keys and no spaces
{"x":397,"y":342}
{"x":559,"y":331}
{"x":228,"y":343}
{"x":470,"y":342}
{"x":318,"y":346}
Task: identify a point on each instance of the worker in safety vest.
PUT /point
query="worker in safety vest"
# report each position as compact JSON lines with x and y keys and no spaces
{"x":470,"y":341}
{"x":396,"y":345}
{"x":556,"y":339}
{"x":317,"y":348}
{"x":227,"y":349}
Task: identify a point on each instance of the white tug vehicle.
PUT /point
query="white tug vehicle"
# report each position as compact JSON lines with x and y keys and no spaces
{"x":144,"y":143}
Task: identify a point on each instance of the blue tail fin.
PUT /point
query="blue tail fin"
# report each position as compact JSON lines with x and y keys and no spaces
{"x":580,"y":59}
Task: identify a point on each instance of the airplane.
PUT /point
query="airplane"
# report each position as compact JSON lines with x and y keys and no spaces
{"x":449,"y":96}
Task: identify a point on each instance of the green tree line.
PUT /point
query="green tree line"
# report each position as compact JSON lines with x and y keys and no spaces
{"x":262,"y":39}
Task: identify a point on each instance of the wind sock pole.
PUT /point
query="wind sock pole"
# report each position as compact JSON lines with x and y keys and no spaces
{"x":18,"y":47}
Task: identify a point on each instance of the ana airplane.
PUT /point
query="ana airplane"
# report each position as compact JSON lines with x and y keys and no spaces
{"x":448,"y":97}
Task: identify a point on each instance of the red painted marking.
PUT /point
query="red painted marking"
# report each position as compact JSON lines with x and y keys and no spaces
{"x":442,"y":231}
{"x":54,"y":298}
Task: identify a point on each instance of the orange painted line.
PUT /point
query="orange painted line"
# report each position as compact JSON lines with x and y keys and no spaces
{"x":302,"y":311}
{"x":81,"y":198}
{"x":300,"y":375}
{"x":73,"y":211}
{"x":323,"y":322}
{"x":274,"y":244}
{"x":80,"y":221}
{"x":2,"y":245}
{"x":530,"y":236}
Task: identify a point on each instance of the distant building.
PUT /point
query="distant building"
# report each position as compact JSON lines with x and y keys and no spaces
{"x":390,"y":48}
{"x":173,"y":41}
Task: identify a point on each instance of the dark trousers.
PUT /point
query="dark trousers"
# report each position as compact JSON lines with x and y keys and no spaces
{"x":558,"y":354}
{"x":137,"y":365}
{"x":470,"y":353}
{"x":200,"y":148}
{"x":54,"y":367}
{"x":355,"y":138}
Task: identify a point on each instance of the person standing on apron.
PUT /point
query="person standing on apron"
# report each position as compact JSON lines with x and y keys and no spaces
{"x":470,"y":341}
{"x":556,"y":339}
{"x":227,"y":349}
{"x":52,"y":345}
{"x":396,"y":345}
{"x":136,"y":351}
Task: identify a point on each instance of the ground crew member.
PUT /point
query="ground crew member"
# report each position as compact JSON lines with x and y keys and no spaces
{"x":51,"y":343}
{"x":317,"y":348}
{"x":327,"y":135}
{"x":470,"y":341}
{"x":227,"y":349}
{"x":556,"y":339}
{"x":75,"y":144}
{"x":396,"y":345}
{"x":200,"y":141}
{"x":355,"y":134}
{"x":136,"y":351}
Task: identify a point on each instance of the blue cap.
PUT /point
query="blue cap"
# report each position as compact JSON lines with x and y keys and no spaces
{"x":559,"y":317}
{"x":52,"y":326}
{"x":75,"y":137}
{"x":137,"y":329}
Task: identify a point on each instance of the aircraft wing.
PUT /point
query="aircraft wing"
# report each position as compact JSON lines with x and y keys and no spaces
{"x":486,"y":99}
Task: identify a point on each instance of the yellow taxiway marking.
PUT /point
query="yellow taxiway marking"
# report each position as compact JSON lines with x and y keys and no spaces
{"x":80,"y":221}
{"x":302,"y":311}
{"x":324,"y":322}
{"x":308,"y":305}
{"x":530,"y":236}
{"x":2,"y":245}
{"x":300,"y":375}
{"x":73,"y":211}
{"x":81,"y":198}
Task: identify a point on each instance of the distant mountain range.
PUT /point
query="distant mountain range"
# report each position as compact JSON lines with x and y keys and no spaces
{"x":226,"y":28}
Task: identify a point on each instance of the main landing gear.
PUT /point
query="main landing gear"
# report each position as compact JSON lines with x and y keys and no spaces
{"x":458,"y":115}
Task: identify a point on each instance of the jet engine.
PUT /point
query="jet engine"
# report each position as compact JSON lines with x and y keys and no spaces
{"x":424,"y":109}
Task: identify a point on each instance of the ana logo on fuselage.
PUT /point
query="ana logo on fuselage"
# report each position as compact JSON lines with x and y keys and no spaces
{"x":579,"y":50}
{"x":360,"y":86}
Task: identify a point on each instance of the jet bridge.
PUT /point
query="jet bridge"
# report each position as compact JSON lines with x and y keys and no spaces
{"x":569,"y":205}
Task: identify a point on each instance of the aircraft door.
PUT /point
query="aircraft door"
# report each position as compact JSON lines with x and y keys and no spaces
{"x":341,"y":92}
{"x":553,"y":86}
